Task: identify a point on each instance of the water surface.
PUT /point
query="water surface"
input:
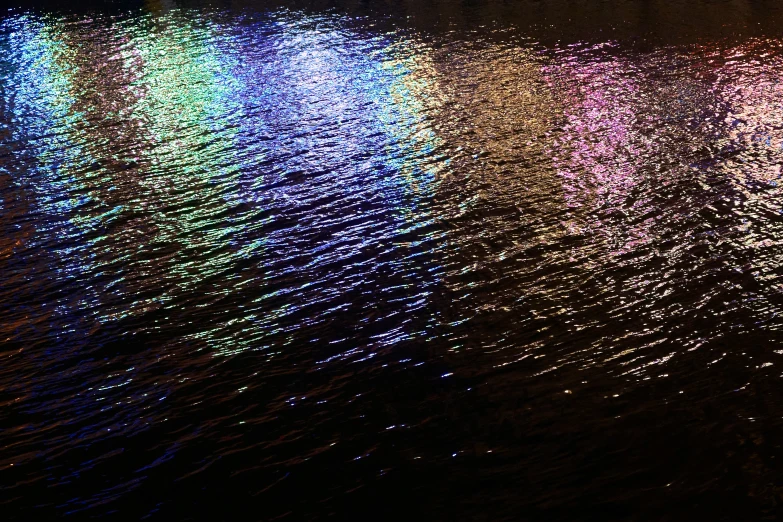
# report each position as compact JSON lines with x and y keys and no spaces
{"x":443,"y":260}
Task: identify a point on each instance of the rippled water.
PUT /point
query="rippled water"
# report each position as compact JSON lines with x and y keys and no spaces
{"x":473,"y":261}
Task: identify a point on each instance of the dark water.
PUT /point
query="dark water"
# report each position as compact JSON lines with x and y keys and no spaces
{"x":475,"y":260}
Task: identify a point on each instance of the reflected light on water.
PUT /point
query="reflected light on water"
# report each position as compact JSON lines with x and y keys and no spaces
{"x":242,"y":247}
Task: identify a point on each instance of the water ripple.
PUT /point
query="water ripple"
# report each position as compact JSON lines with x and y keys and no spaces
{"x":298,"y":259}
